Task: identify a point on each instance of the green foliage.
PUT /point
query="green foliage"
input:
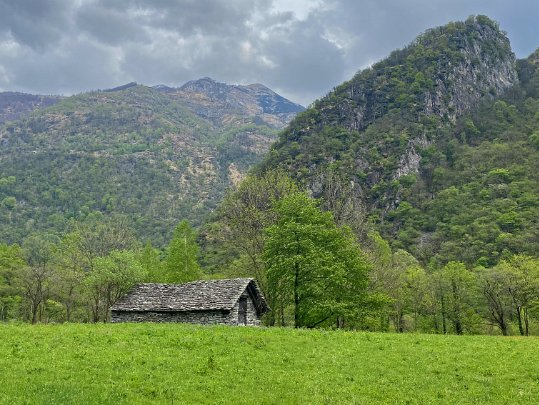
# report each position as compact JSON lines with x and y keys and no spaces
{"x":233,"y":244}
{"x":111,"y":278}
{"x":181,"y":264}
{"x":136,"y":152}
{"x":312,"y":265}
{"x":441,"y":176}
{"x":150,"y":260}
{"x":456,"y":286}
{"x":76,"y":278}
{"x":11,"y":262}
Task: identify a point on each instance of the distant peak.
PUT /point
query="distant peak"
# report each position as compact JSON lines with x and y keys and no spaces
{"x":201,"y":84}
{"x":161,"y":87}
{"x":122,"y":87}
{"x":202,"y":80}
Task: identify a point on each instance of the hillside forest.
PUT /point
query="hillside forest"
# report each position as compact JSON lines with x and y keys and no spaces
{"x":405,"y":200}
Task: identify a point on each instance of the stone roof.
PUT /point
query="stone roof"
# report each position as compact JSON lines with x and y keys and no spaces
{"x":195,"y":296}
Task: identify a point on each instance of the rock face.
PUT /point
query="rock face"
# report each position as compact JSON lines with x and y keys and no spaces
{"x":436,"y":79}
{"x":485,"y":64}
{"x":15,"y":105}
{"x":456,"y":65}
{"x":224,"y":103}
{"x":376,"y":129}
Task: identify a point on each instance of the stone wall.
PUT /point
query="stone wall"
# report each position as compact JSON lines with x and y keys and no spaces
{"x":197,"y":317}
{"x":252,"y":317}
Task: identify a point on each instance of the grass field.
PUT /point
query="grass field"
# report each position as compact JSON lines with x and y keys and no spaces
{"x":182,"y":364}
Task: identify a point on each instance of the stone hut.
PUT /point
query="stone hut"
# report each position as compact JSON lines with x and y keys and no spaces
{"x":236,"y":301}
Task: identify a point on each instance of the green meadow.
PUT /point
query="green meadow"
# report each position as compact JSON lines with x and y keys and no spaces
{"x":183,"y":364}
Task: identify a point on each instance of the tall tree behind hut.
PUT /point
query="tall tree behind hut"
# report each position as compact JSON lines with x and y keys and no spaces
{"x":181,"y":263}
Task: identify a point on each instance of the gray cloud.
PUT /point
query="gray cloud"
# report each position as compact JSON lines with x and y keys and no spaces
{"x":110,"y":27}
{"x":67,"y":46}
{"x":36,"y":24}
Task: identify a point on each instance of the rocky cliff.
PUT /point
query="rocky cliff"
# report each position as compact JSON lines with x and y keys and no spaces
{"x":225,"y":104}
{"x":424,"y":131}
{"x":410,"y":95}
{"x":444,"y":72}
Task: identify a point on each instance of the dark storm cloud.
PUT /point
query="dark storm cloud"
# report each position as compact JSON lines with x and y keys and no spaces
{"x":300,"y":48}
{"x":36,"y":24}
{"x":109,"y":26}
{"x":188,"y":17}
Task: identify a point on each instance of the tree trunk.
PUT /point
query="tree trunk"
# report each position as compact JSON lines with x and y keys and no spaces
{"x":503,"y":325}
{"x":33,"y":309}
{"x":296,"y":296}
{"x":444,"y":325}
{"x":457,"y":322}
{"x":398,"y":321}
{"x":526,"y":322}
{"x":519,"y":318}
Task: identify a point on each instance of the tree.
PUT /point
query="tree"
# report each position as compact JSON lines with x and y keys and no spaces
{"x":35,"y":277}
{"x":78,"y":255}
{"x":345,"y":201}
{"x":522,"y":283}
{"x":152,"y":264}
{"x":181,"y":263}
{"x":248,"y":212}
{"x":415,"y":283}
{"x":314,"y":266}
{"x":456,"y":293}
{"x":380,"y":279}
{"x":112,"y":277}
{"x":71,"y":271}
{"x":11,"y":261}
{"x":494,"y":285}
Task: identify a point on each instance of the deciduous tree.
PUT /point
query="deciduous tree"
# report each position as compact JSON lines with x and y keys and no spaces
{"x":182,"y":258}
{"x":312,"y":265}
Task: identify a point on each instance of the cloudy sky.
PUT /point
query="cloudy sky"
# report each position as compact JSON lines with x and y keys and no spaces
{"x":299,"y":48}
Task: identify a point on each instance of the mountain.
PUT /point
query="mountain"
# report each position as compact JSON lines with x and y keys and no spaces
{"x":15,"y":105}
{"x":226,"y":104}
{"x":157,"y":155}
{"x":439,"y":141}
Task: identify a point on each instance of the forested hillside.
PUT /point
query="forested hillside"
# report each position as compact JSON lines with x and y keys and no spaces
{"x":157,"y":156}
{"x":439,"y":141}
{"x":15,"y":105}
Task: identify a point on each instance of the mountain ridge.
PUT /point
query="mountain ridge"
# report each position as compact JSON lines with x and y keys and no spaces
{"x":397,"y":130}
{"x":132,"y":150}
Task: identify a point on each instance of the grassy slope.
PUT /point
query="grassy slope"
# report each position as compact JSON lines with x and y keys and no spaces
{"x":151,"y":363}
